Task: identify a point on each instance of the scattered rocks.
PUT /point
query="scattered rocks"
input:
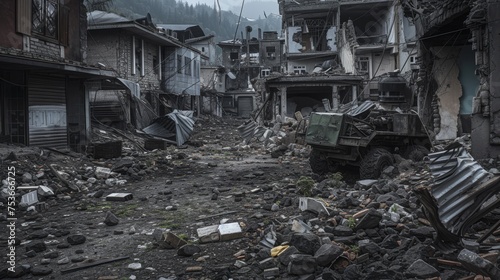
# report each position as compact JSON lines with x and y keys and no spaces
{"x":76,"y":239}
{"x":111,"y":219}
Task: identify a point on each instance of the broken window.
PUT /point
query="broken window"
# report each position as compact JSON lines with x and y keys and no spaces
{"x":44,"y":17}
{"x":233,"y":56}
{"x":265,"y":73}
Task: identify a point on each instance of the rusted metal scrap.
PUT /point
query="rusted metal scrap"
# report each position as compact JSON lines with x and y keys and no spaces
{"x":461,"y":194}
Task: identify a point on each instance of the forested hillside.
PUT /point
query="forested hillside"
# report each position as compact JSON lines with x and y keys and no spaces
{"x":222,"y":24}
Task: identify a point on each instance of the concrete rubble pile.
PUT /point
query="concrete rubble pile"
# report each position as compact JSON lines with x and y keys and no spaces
{"x":271,"y":223}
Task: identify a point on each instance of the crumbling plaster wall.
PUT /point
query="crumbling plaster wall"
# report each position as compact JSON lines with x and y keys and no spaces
{"x":449,"y":90}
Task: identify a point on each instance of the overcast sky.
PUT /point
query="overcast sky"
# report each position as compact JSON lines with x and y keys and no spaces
{"x":234,"y":5}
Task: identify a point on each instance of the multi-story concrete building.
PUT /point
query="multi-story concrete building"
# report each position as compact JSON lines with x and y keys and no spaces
{"x":44,"y":78}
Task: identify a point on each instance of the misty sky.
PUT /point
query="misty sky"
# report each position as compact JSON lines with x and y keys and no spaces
{"x":230,"y":5}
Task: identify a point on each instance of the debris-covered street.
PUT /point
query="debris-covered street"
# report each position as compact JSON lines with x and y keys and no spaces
{"x":220,"y":209}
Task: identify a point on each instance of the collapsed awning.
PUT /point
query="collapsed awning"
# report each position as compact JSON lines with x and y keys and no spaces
{"x":176,"y":126}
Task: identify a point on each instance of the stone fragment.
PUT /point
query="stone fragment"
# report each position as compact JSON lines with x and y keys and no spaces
{"x":422,"y":270}
{"x":76,"y":239}
{"x":284,"y":257}
{"x":135,"y":266}
{"x":188,"y":250}
{"x":307,"y":243}
{"x":119,"y":197}
{"x":194,"y":269}
{"x":342,"y":231}
{"x":230,"y":231}
{"x":301,"y":264}
{"x":271,"y":272}
{"x":111,"y":219}
{"x":208,"y":234}
{"x":39,"y":234}
{"x":41,"y":270}
{"x":64,"y":260}
{"x":51,"y":255}
{"x":327,"y":253}
{"x":369,"y":220}
{"x":172,"y":241}
{"x":37,"y":246}
{"x":478,"y":265}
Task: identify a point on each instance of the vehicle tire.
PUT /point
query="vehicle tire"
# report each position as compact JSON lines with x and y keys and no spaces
{"x":375,"y":161}
{"x":416,"y":153}
{"x":318,"y":165}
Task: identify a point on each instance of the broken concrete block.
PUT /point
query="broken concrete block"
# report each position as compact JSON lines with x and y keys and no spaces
{"x":208,"y":234}
{"x":271,"y":272}
{"x":103,"y":172}
{"x":119,"y":197}
{"x":478,"y":265}
{"x":230,"y":231}
{"x":172,"y":241}
{"x":314,"y":205}
{"x":300,"y":226}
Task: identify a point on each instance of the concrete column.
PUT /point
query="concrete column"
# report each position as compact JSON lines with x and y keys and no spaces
{"x":335,"y":98}
{"x":355,"y":92}
{"x":283,"y":91}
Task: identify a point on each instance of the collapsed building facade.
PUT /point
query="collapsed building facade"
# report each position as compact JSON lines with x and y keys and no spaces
{"x":457,"y":81}
{"x":335,"y":51}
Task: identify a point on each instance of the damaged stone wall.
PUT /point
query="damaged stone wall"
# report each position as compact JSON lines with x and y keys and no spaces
{"x":449,"y":91}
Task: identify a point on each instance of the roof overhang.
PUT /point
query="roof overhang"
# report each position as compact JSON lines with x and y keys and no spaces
{"x":314,"y":79}
{"x":138,"y":30}
{"x":148,"y":34}
{"x":16,"y":62}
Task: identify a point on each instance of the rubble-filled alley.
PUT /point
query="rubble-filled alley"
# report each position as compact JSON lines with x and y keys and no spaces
{"x":221,"y":209}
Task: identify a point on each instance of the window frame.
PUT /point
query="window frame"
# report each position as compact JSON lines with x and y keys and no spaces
{"x":42,"y":31}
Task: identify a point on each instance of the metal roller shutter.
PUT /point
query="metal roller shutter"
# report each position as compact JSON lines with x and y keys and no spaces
{"x":47,"y":112}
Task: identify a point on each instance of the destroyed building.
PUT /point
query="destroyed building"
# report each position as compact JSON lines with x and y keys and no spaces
{"x":45,"y":78}
{"x":336,"y":50}
{"x":163,"y":73}
{"x":457,"y":78}
{"x":243,"y":61}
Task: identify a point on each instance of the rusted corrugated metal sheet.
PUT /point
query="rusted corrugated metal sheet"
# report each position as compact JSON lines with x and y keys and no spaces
{"x":176,"y":126}
{"x":460,"y":188}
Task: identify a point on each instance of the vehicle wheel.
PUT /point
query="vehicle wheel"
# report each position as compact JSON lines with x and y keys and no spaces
{"x":374,"y":163}
{"x":416,"y":152}
{"x":318,"y":165}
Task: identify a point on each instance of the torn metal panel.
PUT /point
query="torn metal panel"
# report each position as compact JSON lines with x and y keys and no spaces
{"x":176,"y":126}
{"x":456,"y":199}
{"x":247,"y":130}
